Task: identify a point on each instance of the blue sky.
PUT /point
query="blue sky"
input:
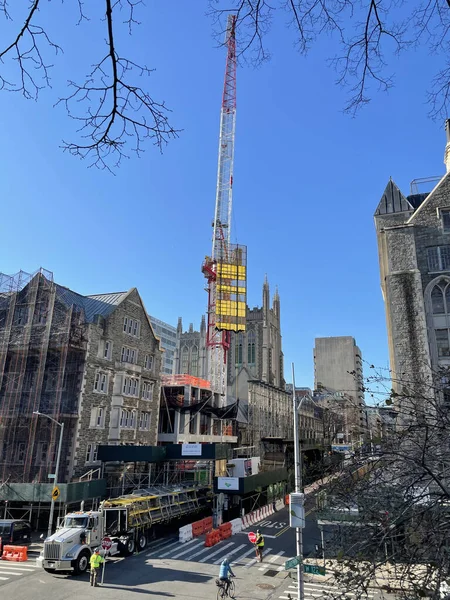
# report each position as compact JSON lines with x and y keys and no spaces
{"x":307,"y":181}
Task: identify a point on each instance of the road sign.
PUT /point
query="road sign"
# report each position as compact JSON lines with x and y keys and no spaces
{"x":55,"y":493}
{"x":252,"y":537}
{"x":291,"y":563}
{"x":314,"y":569}
{"x":106,"y":543}
{"x":51,"y":475}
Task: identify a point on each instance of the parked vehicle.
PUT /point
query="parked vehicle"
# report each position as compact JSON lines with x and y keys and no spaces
{"x":127,"y":521}
{"x":14,"y":531}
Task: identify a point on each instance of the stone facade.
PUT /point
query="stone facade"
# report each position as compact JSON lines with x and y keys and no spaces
{"x":190,"y":353}
{"x":66,"y":358}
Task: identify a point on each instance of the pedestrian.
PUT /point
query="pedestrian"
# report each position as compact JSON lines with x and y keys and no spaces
{"x":259,"y":544}
{"x":96,"y":561}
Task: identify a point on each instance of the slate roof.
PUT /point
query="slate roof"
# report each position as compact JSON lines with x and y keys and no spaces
{"x":393,"y":201}
{"x":99,"y":304}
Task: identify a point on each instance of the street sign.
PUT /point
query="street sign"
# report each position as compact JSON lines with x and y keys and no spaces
{"x":51,"y":475}
{"x":55,"y":493}
{"x":291,"y":563}
{"x":252,"y":537}
{"x":314,"y":569}
{"x":106,"y":543}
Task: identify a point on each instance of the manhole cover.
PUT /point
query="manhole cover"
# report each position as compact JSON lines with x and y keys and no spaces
{"x":265,"y":586}
{"x":271,"y":573}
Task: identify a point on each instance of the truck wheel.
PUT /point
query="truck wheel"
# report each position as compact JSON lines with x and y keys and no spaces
{"x":81,"y":563}
{"x":128,"y":547}
{"x":142,"y":541}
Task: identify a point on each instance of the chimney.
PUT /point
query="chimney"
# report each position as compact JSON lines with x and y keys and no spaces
{"x":447,"y":146}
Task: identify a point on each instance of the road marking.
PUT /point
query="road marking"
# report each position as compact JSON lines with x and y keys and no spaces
{"x":198,"y":543}
{"x":167,"y":546}
{"x":216,"y":552}
{"x":24,"y":569}
{"x":10,"y":573}
{"x":243,"y":556}
{"x":272,"y":560}
{"x":158,"y":543}
{"x":219,"y":560}
{"x":282,"y":531}
{"x":253,"y":561}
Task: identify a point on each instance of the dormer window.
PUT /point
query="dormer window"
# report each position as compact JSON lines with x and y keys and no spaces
{"x":445,"y":218}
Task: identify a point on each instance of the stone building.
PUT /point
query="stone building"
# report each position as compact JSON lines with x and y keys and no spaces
{"x":190,"y":352}
{"x":90,"y":362}
{"x":413,"y":234}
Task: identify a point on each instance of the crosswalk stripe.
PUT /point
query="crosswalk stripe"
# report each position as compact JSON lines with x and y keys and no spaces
{"x":11,"y":573}
{"x":216,"y":553}
{"x":165,"y":547}
{"x":194,"y":544}
{"x":238,"y":560}
{"x":24,"y":569}
{"x":4,"y":578}
{"x":219,"y":560}
{"x":253,"y":561}
{"x":157,"y":544}
{"x":272,"y":560}
{"x":202,"y":551}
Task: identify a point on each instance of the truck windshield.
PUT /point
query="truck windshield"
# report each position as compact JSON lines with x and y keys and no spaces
{"x":71,"y":522}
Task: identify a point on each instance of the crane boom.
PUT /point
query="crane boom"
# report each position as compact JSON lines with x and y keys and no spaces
{"x":217,"y":340}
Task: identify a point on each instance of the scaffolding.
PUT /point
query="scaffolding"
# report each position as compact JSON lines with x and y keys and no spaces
{"x":42,"y":353}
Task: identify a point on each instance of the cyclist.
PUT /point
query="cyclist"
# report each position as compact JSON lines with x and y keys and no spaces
{"x":96,"y":561}
{"x":225,"y":571}
{"x":259,"y":544}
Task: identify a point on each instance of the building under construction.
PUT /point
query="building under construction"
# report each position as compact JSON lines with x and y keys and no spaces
{"x":91,"y":363}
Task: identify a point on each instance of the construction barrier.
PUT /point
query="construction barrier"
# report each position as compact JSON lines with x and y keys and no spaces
{"x":212,"y":538}
{"x":236,"y":526}
{"x":225,"y":531}
{"x":185,"y":534}
{"x":279,"y":504}
{"x":286,"y":500}
{"x":15,"y":553}
{"x":197,"y":528}
{"x":207,"y":524}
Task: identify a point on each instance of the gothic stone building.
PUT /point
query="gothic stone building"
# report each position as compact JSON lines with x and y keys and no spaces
{"x":413,"y":234}
{"x":89,"y":362}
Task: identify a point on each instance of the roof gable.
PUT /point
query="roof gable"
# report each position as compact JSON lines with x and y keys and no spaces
{"x":393,"y":201}
{"x":434,"y":199}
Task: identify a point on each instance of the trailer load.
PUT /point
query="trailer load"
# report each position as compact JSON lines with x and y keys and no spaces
{"x":127,"y":522}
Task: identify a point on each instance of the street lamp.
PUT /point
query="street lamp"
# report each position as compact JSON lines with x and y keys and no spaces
{"x":298,"y":486}
{"x":58,"y":456}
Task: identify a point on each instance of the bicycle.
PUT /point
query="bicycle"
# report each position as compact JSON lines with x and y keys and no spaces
{"x":222,"y":592}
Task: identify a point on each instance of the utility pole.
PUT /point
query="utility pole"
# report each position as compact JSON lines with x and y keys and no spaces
{"x":298,"y":486}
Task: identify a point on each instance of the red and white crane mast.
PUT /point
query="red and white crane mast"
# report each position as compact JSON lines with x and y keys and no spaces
{"x":217,"y":340}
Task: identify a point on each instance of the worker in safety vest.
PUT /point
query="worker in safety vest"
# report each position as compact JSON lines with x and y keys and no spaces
{"x":96,"y":561}
{"x":259,"y":545}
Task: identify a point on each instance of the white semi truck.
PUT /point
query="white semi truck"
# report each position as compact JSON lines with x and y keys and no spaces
{"x":128,"y":521}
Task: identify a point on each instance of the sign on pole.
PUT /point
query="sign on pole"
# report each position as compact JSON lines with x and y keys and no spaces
{"x":314,"y":569}
{"x":252,"y":537}
{"x":291,"y":563}
{"x":106,"y":543}
{"x":55,"y":493}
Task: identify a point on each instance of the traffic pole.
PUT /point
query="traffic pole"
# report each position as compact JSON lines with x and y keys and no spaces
{"x":103,"y":572}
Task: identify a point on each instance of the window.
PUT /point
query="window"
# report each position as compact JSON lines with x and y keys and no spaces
{"x":147,"y":390}
{"x":438,"y":258}
{"x":132,"y":327}
{"x":21,"y":316}
{"x":42,"y":453}
{"x":194,"y":361}
{"x":91,"y":453}
{"x":445,"y":216}
{"x":132,"y":418}
{"x":100,"y":416}
{"x":145,"y":420}
{"x":129,"y":355}
{"x":40,"y":314}
{"x":185,"y":360}
{"x":101,"y":382}
{"x":20,"y":453}
{"x":124,"y":418}
{"x":130,"y":386}
{"x":442,"y":342}
{"x":107,"y":353}
{"x":238,"y":349}
{"x":148,"y":362}
{"x":251,"y":348}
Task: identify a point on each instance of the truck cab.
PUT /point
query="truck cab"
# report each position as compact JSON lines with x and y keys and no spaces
{"x":71,"y":546}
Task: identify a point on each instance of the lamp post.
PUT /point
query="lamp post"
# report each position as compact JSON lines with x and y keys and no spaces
{"x":298,"y":486}
{"x":58,"y":456}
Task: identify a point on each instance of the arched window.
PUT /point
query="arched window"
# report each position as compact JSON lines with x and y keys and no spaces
{"x":185,"y":360}
{"x":194,"y":361}
{"x":238,"y":350}
{"x":251,"y":345}
{"x":437,"y":300}
{"x":440,"y":305}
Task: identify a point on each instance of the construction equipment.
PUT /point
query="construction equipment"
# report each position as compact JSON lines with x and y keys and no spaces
{"x":225,"y":269}
{"x":125,"y":523}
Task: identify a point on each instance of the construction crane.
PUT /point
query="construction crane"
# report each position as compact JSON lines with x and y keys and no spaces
{"x":221,"y":269}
